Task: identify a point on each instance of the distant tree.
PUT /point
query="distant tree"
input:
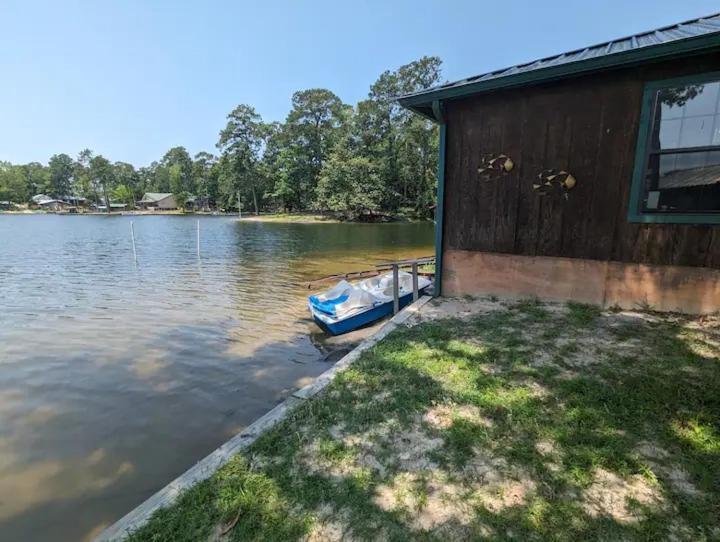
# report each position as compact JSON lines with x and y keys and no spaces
{"x":61,"y":168}
{"x":121,"y":193}
{"x":314,"y":125}
{"x":179,"y":167}
{"x":350,"y":184}
{"x":102,"y":176}
{"x":403,"y":145}
{"x":124,"y":174}
{"x":13,"y":183}
{"x":160,"y":178}
{"x":82,"y":183}
{"x":205,"y":176}
{"x":37,"y":177}
{"x":240,"y":144}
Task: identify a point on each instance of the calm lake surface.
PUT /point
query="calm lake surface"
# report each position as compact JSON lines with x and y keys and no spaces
{"x":117,"y":377}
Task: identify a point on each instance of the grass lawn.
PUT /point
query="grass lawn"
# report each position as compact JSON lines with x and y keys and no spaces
{"x":297,"y":218}
{"x":522,"y":422}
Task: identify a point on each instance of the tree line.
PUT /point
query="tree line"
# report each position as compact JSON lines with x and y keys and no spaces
{"x":374,"y":157}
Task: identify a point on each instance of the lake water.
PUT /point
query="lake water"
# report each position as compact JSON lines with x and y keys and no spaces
{"x":115,"y":377}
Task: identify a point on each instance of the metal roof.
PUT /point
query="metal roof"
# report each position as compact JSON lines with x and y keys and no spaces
{"x":153,"y":197}
{"x":675,"y":40}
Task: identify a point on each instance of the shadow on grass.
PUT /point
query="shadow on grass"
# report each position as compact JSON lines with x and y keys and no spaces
{"x":647,"y":412}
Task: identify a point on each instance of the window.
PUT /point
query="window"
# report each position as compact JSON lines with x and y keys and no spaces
{"x":677,"y":165}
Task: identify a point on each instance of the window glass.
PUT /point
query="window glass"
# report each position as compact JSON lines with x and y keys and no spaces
{"x":686,"y":116}
{"x":704,"y":102}
{"x":682,"y":169}
{"x":684,"y":182}
{"x":670,"y":133}
{"x":697,"y":131}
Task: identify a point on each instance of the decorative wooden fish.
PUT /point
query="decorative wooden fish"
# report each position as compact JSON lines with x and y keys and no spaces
{"x":492,"y":166}
{"x":549,"y":178}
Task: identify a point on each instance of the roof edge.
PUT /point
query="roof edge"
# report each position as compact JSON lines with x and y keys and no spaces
{"x":421,"y":102}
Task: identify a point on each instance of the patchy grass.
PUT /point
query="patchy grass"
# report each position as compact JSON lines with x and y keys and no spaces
{"x":523,"y":422}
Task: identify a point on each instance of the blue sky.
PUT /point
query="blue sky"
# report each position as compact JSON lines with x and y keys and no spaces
{"x":130,"y":79}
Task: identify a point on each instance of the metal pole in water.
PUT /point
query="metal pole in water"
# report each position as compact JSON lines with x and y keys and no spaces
{"x":396,"y":288}
{"x":415,"y":280}
{"x":132,"y":236}
{"x":198,"y":238}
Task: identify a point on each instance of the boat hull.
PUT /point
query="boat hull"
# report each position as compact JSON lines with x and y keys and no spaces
{"x":356,"y":321}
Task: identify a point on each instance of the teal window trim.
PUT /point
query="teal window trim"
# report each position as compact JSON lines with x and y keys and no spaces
{"x":439,"y":215}
{"x":439,"y":117}
{"x":635,"y":213}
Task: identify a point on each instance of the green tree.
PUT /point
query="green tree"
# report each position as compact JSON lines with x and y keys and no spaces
{"x":316,"y":122}
{"x":403,"y":145}
{"x":121,"y":193}
{"x":37,"y":177}
{"x":179,"y":167}
{"x":82,"y":183}
{"x":205,"y":177}
{"x":61,"y":168}
{"x":13,"y":183}
{"x":240,"y":144}
{"x":350,"y":184}
{"x":103,"y":178}
{"x":125,"y":175}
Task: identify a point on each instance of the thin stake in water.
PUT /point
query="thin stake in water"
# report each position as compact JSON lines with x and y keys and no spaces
{"x":198,"y":238}
{"x":132,"y":236}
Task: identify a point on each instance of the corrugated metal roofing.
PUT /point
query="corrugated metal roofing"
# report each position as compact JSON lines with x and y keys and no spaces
{"x":152,"y":197}
{"x":606,"y":54}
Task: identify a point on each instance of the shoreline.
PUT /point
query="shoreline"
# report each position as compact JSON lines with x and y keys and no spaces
{"x":450,"y":428}
{"x":291,"y":218}
{"x":206,"y":467}
{"x":278,"y":218}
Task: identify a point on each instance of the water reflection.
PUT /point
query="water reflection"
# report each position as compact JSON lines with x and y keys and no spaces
{"x":116,"y":377}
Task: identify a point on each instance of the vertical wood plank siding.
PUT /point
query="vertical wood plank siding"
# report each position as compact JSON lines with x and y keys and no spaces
{"x":588,"y":126}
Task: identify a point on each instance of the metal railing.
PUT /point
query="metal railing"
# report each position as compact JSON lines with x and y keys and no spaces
{"x":395,"y":266}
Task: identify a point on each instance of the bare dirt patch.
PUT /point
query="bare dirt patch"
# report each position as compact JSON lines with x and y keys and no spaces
{"x":330,"y":526}
{"x":442,"y":416}
{"x":658,"y":459}
{"x":427,"y":501}
{"x":612,"y":496}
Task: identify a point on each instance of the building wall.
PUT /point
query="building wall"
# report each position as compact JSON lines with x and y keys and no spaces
{"x":167,"y":203}
{"x":587,"y":126}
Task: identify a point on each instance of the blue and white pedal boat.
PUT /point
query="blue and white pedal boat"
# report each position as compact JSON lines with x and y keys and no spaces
{"x":346,"y":307}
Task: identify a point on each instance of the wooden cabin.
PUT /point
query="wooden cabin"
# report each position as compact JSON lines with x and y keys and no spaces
{"x":592,"y":176}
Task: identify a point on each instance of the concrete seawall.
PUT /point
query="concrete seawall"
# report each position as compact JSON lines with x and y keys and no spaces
{"x":205,"y":468}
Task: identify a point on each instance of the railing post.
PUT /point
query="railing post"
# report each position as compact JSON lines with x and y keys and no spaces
{"x":415,"y":280}
{"x":396,"y":288}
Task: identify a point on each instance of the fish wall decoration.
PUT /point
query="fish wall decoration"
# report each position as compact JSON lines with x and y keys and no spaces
{"x":550,"y":179}
{"x":494,"y":165}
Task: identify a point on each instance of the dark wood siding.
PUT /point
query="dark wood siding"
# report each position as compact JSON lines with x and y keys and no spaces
{"x":586,"y":125}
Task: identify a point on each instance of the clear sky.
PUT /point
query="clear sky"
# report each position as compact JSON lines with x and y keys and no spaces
{"x":130,"y":79}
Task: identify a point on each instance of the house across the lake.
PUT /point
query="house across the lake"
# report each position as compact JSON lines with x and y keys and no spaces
{"x":54,"y":205}
{"x":158,"y":200}
{"x":114,"y":207}
{"x":593,"y":175}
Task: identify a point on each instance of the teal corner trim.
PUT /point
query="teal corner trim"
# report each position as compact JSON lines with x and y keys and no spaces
{"x":440,"y":207}
{"x":635,"y":213}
